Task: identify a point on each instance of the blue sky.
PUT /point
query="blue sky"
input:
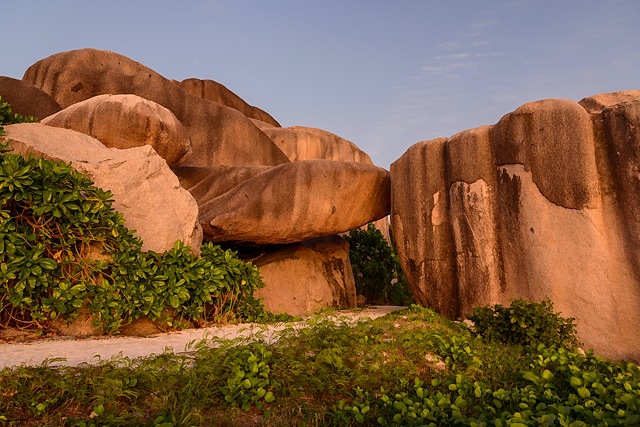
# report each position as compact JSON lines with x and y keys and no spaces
{"x":383,"y":74}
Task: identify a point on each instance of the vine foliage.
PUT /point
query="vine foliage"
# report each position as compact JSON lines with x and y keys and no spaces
{"x":64,"y":250}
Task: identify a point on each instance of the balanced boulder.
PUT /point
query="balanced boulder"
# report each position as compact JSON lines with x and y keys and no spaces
{"x":297,"y":201}
{"x":127,"y":121}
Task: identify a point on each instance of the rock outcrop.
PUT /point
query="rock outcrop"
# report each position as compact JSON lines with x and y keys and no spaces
{"x":26,"y":99}
{"x":302,"y":278}
{"x":127,"y":121}
{"x":214,"y":91}
{"x":305,"y":143}
{"x":543,"y":204}
{"x":219,"y":135}
{"x":295,"y":202}
{"x":140,"y":180}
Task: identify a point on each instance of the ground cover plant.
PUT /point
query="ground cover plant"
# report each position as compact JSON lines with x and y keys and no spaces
{"x":411,"y":367}
{"x":64,"y":250}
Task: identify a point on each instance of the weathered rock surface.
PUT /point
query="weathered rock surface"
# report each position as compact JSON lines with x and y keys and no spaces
{"x":140,"y":180}
{"x":127,"y":121}
{"x":214,"y":91}
{"x":305,"y":143}
{"x":26,"y":99}
{"x":205,"y":184}
{"x":305,"y":277}
{"x":542,"y":204}
{"x":296,"y":201}
{"x":219,"y":135}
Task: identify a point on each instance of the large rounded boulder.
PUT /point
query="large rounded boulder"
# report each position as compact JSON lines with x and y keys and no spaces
{"x":219,"y":135}
{"x":127,"y":121}
{"x":306,"y":143}
{"x":26,"y":99}
{"x":543,"y":204}
{"x":297,"y":201}
{"x":144,"y":189}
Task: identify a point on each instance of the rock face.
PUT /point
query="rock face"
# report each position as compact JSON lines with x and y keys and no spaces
{"x":219,"y":135}
{"x":127,"y":121}
{"x":26,"y":99}
{"x":140,"y":180}
{"x":214,"y":91}
{"x":297,"y":201}
{"x":542,"y":204}
{"x":305,"y":277}
{"x":305,"y":143}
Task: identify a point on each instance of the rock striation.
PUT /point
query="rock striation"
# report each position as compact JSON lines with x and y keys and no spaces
{"x":214,"y":91}
{"x":296,"y":201}
{"x":543,"y":204}
{"x":306,"y":143}
{"x":127,"y":121}
{"x":219,"y":135}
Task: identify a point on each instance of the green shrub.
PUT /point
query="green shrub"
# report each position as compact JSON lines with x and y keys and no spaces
{"x":525,"y":323}
{"x":64,"y":249}
{"x":7,"y":117}
{"x":376,"y":268}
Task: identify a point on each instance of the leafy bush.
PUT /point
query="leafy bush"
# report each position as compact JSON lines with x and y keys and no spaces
{"x":525,"y":323}
{"x":64,"y":249}
{"x":376,"y":268}
{"x":247,"y":371}
{"x":7,"y":117}
{"x":409,"y":368}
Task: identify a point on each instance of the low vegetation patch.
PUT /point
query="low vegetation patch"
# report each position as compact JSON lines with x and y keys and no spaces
{"x":64,"y":250}
{"x":525,"y":323}
{"x":411,"y":367}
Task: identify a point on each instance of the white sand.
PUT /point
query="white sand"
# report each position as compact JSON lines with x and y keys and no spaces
{"x":74,"y":352}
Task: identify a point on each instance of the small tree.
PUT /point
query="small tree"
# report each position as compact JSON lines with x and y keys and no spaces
{"x":376,"y":268}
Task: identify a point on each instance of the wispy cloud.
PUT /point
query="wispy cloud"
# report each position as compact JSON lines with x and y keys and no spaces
{"x":449,"y":69}
{"x":452,"y":56}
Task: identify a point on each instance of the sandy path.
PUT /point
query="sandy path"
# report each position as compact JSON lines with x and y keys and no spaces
{"x":93,"y":350}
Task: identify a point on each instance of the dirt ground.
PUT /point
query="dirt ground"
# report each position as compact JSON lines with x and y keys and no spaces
{"x":23,"y":349}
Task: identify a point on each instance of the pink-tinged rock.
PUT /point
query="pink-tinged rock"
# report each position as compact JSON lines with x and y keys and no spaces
{"x":219,"y":135}
{"x":144,"y":189}
{"x":26,"y":99}
{"x":127,"y":121}
{"x":305,"y":143}
{"x":306,"y":277}
{"x":214,"y":91}
{"x":543,"y":204}
{"x":297,"y":201}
